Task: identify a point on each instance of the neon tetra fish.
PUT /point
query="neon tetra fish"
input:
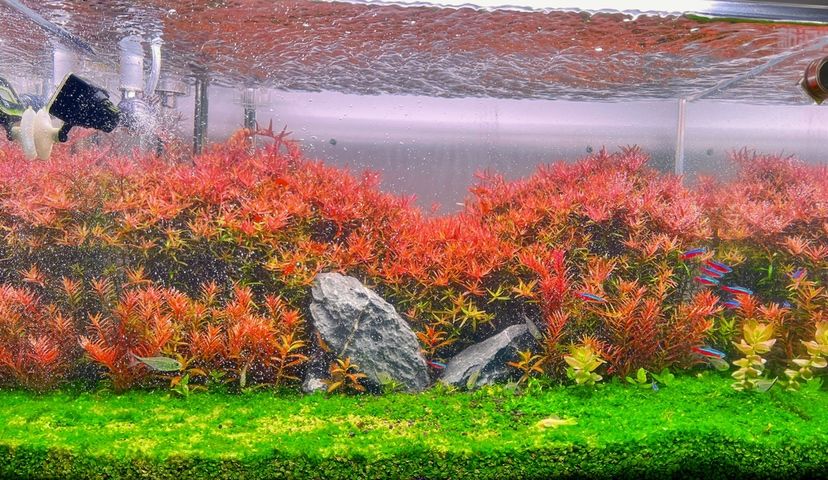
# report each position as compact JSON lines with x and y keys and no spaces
{"x":711,"y":272}
{"x":708,"y":352}
{"x":590,"y":297}
{"x":737,"y":290}
{"x":733,"y":303}
{"x":713,"y":356}
{"x":692,"y":253}
{"x":718,"y":266}
{"x":705,"y":280}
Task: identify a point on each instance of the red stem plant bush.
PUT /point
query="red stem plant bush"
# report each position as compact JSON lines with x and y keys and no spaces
{"x":36,"y":341}
{"x":252,"y":343}
{"x":211,"y":262}
{"x":771,"y":223}
{"x":611,"y":227}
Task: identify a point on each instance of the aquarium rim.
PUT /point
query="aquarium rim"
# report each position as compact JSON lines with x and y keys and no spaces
{"x":771,"y":11}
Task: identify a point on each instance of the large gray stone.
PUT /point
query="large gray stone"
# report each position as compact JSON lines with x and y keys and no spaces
{"x":355,"y":322}
{"x":488,"y":357}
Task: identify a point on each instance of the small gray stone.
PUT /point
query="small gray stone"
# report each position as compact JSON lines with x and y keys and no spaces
{"x":355,"y":322}
{"x":313,"y":384}
{"x":316,"y":373}
{"x":488,"y":357}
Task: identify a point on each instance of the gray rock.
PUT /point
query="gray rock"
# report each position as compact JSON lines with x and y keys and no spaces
{"x":316,"y":373}
{"x":488,"y":357}
{"x":313,"y":384}
{"x":355,"y":322}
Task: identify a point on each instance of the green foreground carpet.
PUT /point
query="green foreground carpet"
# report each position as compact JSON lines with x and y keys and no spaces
{"x":697,"y":427}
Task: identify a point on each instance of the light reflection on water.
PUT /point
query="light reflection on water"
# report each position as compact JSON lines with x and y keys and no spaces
{"x":334,"y":52}
{"x":370,"y":49}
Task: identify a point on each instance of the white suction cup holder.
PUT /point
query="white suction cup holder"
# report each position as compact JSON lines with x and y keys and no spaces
{"x":36,"y":134}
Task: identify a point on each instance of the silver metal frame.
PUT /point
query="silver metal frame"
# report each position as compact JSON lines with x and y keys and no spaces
{"x":786,"y":10}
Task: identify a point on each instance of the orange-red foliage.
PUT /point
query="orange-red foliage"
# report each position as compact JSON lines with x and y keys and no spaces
{"x":36,"y":340}
{"x":211,"y":262}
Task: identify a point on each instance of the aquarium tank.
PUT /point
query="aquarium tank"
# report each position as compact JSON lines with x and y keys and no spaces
{"x":415,"y":240}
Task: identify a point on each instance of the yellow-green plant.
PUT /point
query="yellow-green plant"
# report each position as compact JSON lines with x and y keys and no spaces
{"x":345,"y":376}
{"x":818,"y":350}
{"x":528,"y":363}
{"x":757,"y":340}
{"x":582,"y":361}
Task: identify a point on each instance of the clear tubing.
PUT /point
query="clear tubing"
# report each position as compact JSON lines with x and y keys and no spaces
{"x":680,"y":128}
{"x":131,"y":67}
{"x":64,"y":61}
{"x":155,"y":69}
{"x":758,"y":70}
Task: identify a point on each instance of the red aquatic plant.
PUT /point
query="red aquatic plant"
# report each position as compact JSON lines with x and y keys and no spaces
{"x":140,"y":252}
{"x":140,"y":325}
{"x":772,"y":199}
{"x":34,"y":352}
{"x":608,"y":275}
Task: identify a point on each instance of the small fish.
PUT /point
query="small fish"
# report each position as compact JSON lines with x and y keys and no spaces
{"x":799,"y":274}
{"x":162,"y":364}
{"x":737,"y":290}
{"x":719,"y":266}
{"x":692,"y":253}
{"x":655,"y":386}
{"x":705,"y":280}
{"x":718,"y":363}
{"x":708,"y":352}
{"x":732,"y":303}
{"x":711,"y":272}
{"x":590,"y":297}
{"x":787,"y":305}
{"x":763,"y":385}
{"x":437,"y":365}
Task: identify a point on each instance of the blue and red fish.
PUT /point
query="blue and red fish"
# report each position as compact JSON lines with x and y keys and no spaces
{"x":718,"y":266}
{"x":437,"y":365}
{"x":735,"y":289}
{"x":692,"y":253}
{"x":705,"y":280}
{"x":715,"y":357}
{"x":711,"y":272}
{"x":590,"y":297}
{"x":799,"y":274}
{"x":708,"y":352}
{"x":732,"y":303}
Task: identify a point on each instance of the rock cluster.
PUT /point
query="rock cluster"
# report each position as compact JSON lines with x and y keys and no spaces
{"x":352,"y":321}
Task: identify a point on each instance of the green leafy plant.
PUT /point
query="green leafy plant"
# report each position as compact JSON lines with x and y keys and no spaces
{"x":640,"y":379}
{"x":471,"y":382}
{"x":817,"y":351}
{"x":388,"y":384}
{"x":583,"y":361}
{"x":757,"y":340}
{"x":180,"y":386}
{"x":217,"y":380}
{"x":665,"y":378}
